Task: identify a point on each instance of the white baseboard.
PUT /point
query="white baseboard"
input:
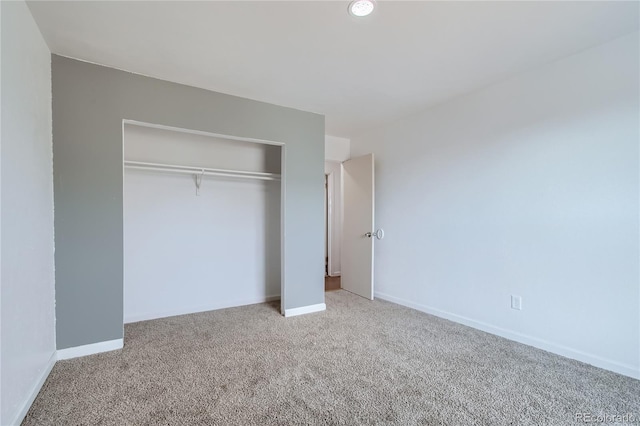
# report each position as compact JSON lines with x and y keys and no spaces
{"x":194,"y":310}
{"x":305,"y":310}
{"x":93,"y":348}
{"x":627,"y":370}
{"x":24,"y":409}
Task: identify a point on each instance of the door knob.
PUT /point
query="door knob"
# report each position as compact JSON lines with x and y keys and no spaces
{"x":379,"y":234}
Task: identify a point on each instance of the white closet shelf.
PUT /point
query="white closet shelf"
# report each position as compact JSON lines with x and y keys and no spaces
{"x":200,"y":171}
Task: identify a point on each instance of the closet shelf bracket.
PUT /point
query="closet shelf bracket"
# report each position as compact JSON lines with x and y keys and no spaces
{"x":199,"y":181}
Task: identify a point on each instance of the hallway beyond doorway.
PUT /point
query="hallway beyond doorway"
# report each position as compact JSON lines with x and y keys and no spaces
{"x":331,"y":283}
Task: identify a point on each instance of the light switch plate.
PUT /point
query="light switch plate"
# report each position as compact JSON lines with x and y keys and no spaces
{"x":516,"y":302}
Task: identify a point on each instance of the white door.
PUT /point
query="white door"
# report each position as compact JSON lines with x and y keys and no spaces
{"x":358,"y":226}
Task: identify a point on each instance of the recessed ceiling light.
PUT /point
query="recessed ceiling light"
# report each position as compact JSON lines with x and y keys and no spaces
{"x":361,"y":8}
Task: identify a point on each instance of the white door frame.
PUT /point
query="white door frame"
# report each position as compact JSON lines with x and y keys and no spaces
{"x":329,"y":224}
{"x":333,"y":169}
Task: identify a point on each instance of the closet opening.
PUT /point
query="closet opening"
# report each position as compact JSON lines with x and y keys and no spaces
{"x":202,"y":221}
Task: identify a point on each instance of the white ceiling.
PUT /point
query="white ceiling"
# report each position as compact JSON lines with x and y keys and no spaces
{"x":312,"y":55}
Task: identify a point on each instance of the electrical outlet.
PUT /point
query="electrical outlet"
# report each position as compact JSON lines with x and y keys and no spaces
{"x":516,"y":302}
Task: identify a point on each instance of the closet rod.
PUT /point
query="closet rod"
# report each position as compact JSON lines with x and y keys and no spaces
{"x":138,"y":165}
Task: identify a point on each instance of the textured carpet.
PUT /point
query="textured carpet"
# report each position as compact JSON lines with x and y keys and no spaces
{"x":360,"y":362}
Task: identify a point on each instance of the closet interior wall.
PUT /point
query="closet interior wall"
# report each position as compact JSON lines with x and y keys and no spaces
{"x":188,"y":251}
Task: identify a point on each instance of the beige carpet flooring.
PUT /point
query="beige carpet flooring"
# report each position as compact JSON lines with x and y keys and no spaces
{"x":360,"y":362}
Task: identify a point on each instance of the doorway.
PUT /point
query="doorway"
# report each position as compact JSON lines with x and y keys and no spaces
{"x":333,"y":224}
{"x":331,"y":283}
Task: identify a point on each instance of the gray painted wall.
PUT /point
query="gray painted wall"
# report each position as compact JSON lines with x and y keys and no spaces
{"x":89,"y":104}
